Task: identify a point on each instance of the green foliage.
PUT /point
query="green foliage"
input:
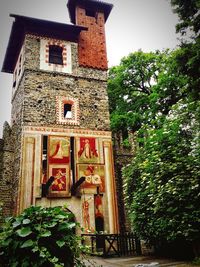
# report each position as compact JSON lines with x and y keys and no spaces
{"x":196,"y":261}
{"x":163,"y":180}
{"x":157,"y":95}
{"x":188,"y":12}
{"x":142,"y":87}
{"x":188,"y":57}
{"x":40,"y":237}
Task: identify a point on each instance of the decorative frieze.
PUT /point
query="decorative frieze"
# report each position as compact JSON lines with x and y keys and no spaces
{"x":63,"y":131}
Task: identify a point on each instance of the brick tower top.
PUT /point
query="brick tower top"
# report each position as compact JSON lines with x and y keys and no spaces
{"x":92,"y":43}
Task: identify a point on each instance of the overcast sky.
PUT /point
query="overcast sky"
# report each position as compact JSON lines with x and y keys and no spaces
{"x":133,"y":24}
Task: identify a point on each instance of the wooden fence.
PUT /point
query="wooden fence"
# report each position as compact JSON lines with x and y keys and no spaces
{"x":113,"y":244}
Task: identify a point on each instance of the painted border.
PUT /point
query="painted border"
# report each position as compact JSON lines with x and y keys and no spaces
{"x":65,"y":131}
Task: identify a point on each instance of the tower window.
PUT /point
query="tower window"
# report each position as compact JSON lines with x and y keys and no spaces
{"x":55,"y":54}
{"x":67,"y":111}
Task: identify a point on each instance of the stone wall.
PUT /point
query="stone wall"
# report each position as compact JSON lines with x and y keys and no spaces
{"x":6,"y":174}
{"x":1,"y":177}
{"x":16,"y":125}
{"x":41,"y":88}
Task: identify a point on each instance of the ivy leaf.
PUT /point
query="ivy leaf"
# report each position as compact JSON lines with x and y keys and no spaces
{"x":7,"y":242}
{"x":25,"y":231}
{"x":8,"y":219}
{"x":60,"y":243}
{"x":51,"y":225}
{"x":35,"y":249}
{"x":71,"y":225}
{"x":60,"y":216}
{"x":46,"y":234}
{"x":16,"y":224}
{"x":38,"y":227}
{"x":27,"y":243}
{"x":26,"y":221}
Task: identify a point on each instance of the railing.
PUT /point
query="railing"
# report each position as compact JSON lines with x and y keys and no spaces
{"x":113,"y":244}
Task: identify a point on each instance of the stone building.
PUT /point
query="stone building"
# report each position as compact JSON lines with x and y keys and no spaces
{"x":58,"y":149}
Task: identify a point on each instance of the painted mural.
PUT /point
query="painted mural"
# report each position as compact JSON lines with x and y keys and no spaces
{"x":86,"y":215}
{"x":59,"y":159}
{"x":50,"y":154}
{"x":59,"y":149}
{"x":94,"y":177}
{"x":88,"y":150}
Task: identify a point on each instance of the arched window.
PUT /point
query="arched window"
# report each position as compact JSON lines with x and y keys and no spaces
{"x":56,"y":54}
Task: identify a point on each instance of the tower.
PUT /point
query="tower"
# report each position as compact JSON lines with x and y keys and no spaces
{"x":60,"y":119}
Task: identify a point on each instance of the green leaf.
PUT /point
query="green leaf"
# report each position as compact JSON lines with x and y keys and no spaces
{"x":27,"y":243}
{"x":16,"y":224}
{"x":26,"y":221}
{"x":8,"y":219}
{"x":60,"y":216}
{"x":71,"y":225}
{"x":38,"y":227}
{"x":46,"y":234}
{"x":25,"y":231}
{"x":51,"y":225}
{"x":60,"y":243}
{"x":35,"y":249}
{"x":6,"y":242}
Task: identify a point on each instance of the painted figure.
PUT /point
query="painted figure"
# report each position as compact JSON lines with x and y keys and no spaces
{"x":93,"y":178}
{"x":59,"y":150}
{"x":86,"y":215}
{"x":87,"y":149}
{"x":59,"y":183}
{"x":58,"y":153}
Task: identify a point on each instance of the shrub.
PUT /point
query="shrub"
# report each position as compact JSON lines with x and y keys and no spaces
{"x":41,"y":237}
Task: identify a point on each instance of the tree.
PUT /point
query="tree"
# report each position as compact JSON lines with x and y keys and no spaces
{"x":163,"y":180}
{"x":143,"y":86}
{"x":157,"y":95}
{"x":189,"y":57}
{"x":188,"y":12}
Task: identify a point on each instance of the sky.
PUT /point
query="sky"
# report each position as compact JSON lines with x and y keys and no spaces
{"x":148,"y":25}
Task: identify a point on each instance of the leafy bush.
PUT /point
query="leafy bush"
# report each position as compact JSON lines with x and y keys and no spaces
{"x":196,"y":261}
{"x":41,"y":237}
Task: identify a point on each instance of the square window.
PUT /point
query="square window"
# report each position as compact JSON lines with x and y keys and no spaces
{"x":55,"y":54}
